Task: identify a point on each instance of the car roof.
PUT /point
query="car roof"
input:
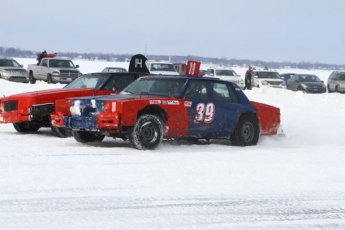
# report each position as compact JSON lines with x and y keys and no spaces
{"x":184,"y":76}
{"x":220,"y":67}
{"x":262,"y":70}
{"x":305,"y":74}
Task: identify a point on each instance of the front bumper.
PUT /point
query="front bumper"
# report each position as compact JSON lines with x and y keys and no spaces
{"x":24,"y":78}
{"x":90,"y":123}
{"x":63,"y":79}
{"x":315,"y":90}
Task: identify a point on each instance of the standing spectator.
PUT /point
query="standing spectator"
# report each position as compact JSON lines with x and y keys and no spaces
{"x":248,"y":79}
{"x":40,"y":56}
{"x":266,"y":68}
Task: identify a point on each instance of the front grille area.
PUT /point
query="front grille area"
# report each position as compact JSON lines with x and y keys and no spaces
{"x":69,"y":73}
{"x":87,"y":107}
{"x":10,"y":106}
{"x":43,"y":109}
{"x":274,"y":82}
{"x":16,"y":71}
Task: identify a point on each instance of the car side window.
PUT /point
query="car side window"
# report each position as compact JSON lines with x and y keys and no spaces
{"x":210,"y":72}
{"x":45,"y":62}
{"x":197,"y":90}
{"x":223,"y":93}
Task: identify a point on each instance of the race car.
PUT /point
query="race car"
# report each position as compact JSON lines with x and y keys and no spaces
{"x":174,"y":107}
{"x":31,"y":110}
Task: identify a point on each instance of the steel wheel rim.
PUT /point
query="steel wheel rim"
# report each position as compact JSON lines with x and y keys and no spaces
{"x":248,"y":132}
{"x":148,"y":133}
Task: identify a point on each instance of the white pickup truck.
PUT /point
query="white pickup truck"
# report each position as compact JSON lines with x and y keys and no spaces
{"x":53,"y":70}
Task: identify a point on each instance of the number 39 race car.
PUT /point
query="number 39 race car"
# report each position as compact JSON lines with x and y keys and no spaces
{"x":173,"y":107}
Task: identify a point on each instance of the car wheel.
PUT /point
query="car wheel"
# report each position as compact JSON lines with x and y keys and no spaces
{"x":300,"y":88}
{"x":32,"y":79}
{"x":247,"y":131}
{"x":86,"y":136}
{"x":336,"y":89}
{"x":328,"y":89}
{"x":60,"y":131}
{"x":147,"y":133}
{"x":49,"y":79}
{"x":27,"y":126}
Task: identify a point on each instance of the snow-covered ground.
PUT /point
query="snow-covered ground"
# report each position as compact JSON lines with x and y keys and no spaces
{"x":293,"y":182}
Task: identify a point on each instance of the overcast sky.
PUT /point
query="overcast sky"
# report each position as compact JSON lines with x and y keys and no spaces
{"x":268,"y":30}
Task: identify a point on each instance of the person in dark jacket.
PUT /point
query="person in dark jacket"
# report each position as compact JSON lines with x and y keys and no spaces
{"x":248,"y":79}
{"x":40,"y":56}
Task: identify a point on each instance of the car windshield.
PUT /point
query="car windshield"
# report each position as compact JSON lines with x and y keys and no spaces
{"x":91,"y":81}
{"x":156,"y":86}
{"x":308,"y":78}
{"x":271,"y":75}
{"x":225,"y":72}
{"x":9,"y":63}
{"x":58,"y":63}
{"x":162,"y":67}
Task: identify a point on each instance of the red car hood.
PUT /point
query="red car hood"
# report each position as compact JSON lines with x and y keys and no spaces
{"x":51,"y":95}
{"x":50,"y":92}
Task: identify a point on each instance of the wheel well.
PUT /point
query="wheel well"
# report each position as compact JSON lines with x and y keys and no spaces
{"x":250,"y":114}
{"x":156,"y":110}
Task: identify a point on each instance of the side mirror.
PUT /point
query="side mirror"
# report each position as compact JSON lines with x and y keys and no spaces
{"x":21,"y":66}
{"x":45,"y":64}
{"x":77,"y":66}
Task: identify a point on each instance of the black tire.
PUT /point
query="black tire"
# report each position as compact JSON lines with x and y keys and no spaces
{"x":27,"y":126}
{"x":32,"y":79}
{"x":147,"y":133}
{"x":60,"y":131}
{"x":86,"y":136}
{"x":300,"y":88}
{"x":328,"y":89}
{"x":336,"y":89}
{"x":49,"y":79}
{"x":247,"y":131}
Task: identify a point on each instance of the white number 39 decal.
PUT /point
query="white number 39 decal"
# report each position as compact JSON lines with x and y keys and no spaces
{"x":204,"y":112}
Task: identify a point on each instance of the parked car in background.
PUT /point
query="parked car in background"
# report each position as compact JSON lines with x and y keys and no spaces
{"x":336,"y":82}
{"x":226,"y":74}
{"x":267,"y":78}
{"x":11,"y":70}
{"x":307,"y":83}
{"x":286,"y":76}
{"x":113,"y":70}
{"x":161,"y":67}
